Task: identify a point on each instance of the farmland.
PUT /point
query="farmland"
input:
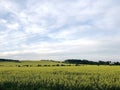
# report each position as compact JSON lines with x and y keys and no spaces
{"x":49,"y":75}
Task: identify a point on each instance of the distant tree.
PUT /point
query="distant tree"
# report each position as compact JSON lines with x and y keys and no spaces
{"x":8,"y":60}
{"x":57,"y":65}
{"x":116,"y":63}
{"x":39,"y":65}
{"x":84,"y":61}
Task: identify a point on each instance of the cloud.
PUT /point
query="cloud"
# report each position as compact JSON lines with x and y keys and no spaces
{"x":59,"y":29}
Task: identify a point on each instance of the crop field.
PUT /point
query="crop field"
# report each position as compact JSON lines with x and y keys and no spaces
{"x":82,"y":77}
{"x":30,"y":63}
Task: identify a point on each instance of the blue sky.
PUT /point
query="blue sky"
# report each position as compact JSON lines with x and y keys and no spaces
{"x":60,"y":29}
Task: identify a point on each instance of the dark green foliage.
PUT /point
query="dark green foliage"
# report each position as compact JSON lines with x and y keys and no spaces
{"x":79,"y":61}
{"x":8,"y":60}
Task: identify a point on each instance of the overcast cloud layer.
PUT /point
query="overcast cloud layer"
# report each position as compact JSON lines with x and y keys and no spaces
{"x":60,"y":29}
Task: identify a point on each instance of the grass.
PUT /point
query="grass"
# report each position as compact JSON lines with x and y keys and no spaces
{"x":30,"y":63}
{"x":83,"y":77}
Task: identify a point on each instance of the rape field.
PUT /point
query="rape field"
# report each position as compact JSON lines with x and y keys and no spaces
{"x":83,"y":77}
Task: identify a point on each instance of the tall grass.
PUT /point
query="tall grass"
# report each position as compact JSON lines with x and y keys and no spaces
{"x":60,"y":78}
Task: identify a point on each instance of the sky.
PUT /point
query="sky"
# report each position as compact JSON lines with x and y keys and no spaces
{"x":60,"y":29}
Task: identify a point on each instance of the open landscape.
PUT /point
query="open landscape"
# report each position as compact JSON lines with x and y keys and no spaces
{"x":54,"y":75}
{"x":59,"y":44}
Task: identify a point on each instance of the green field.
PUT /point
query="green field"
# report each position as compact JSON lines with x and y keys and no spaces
{"x":51,"y":76}
{"x":30,"y":63}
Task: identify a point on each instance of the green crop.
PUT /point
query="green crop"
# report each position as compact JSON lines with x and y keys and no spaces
{"x":87,"y":77}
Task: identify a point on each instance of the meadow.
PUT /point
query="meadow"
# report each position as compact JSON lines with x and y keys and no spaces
{"x":49,"y":75}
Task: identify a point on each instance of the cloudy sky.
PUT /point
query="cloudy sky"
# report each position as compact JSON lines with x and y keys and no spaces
{"x":60,"y":29}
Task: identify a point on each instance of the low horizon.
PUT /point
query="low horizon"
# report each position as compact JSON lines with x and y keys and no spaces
{"x":59,"y":59}
{"x":60,"y":29}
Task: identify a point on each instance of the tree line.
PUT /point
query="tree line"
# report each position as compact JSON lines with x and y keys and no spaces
{"x":74,"y":61}
{"x":8,"y":60}
{"x":84,"y":61}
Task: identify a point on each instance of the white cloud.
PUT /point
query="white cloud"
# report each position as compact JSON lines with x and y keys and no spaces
{"x":35,"y":29}
{"x":110,"y":20}
{"x":14,"y":26}
{"x":63,"y":28}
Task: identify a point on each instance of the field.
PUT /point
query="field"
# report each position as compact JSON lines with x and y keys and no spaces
{"x":49,"y":75}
